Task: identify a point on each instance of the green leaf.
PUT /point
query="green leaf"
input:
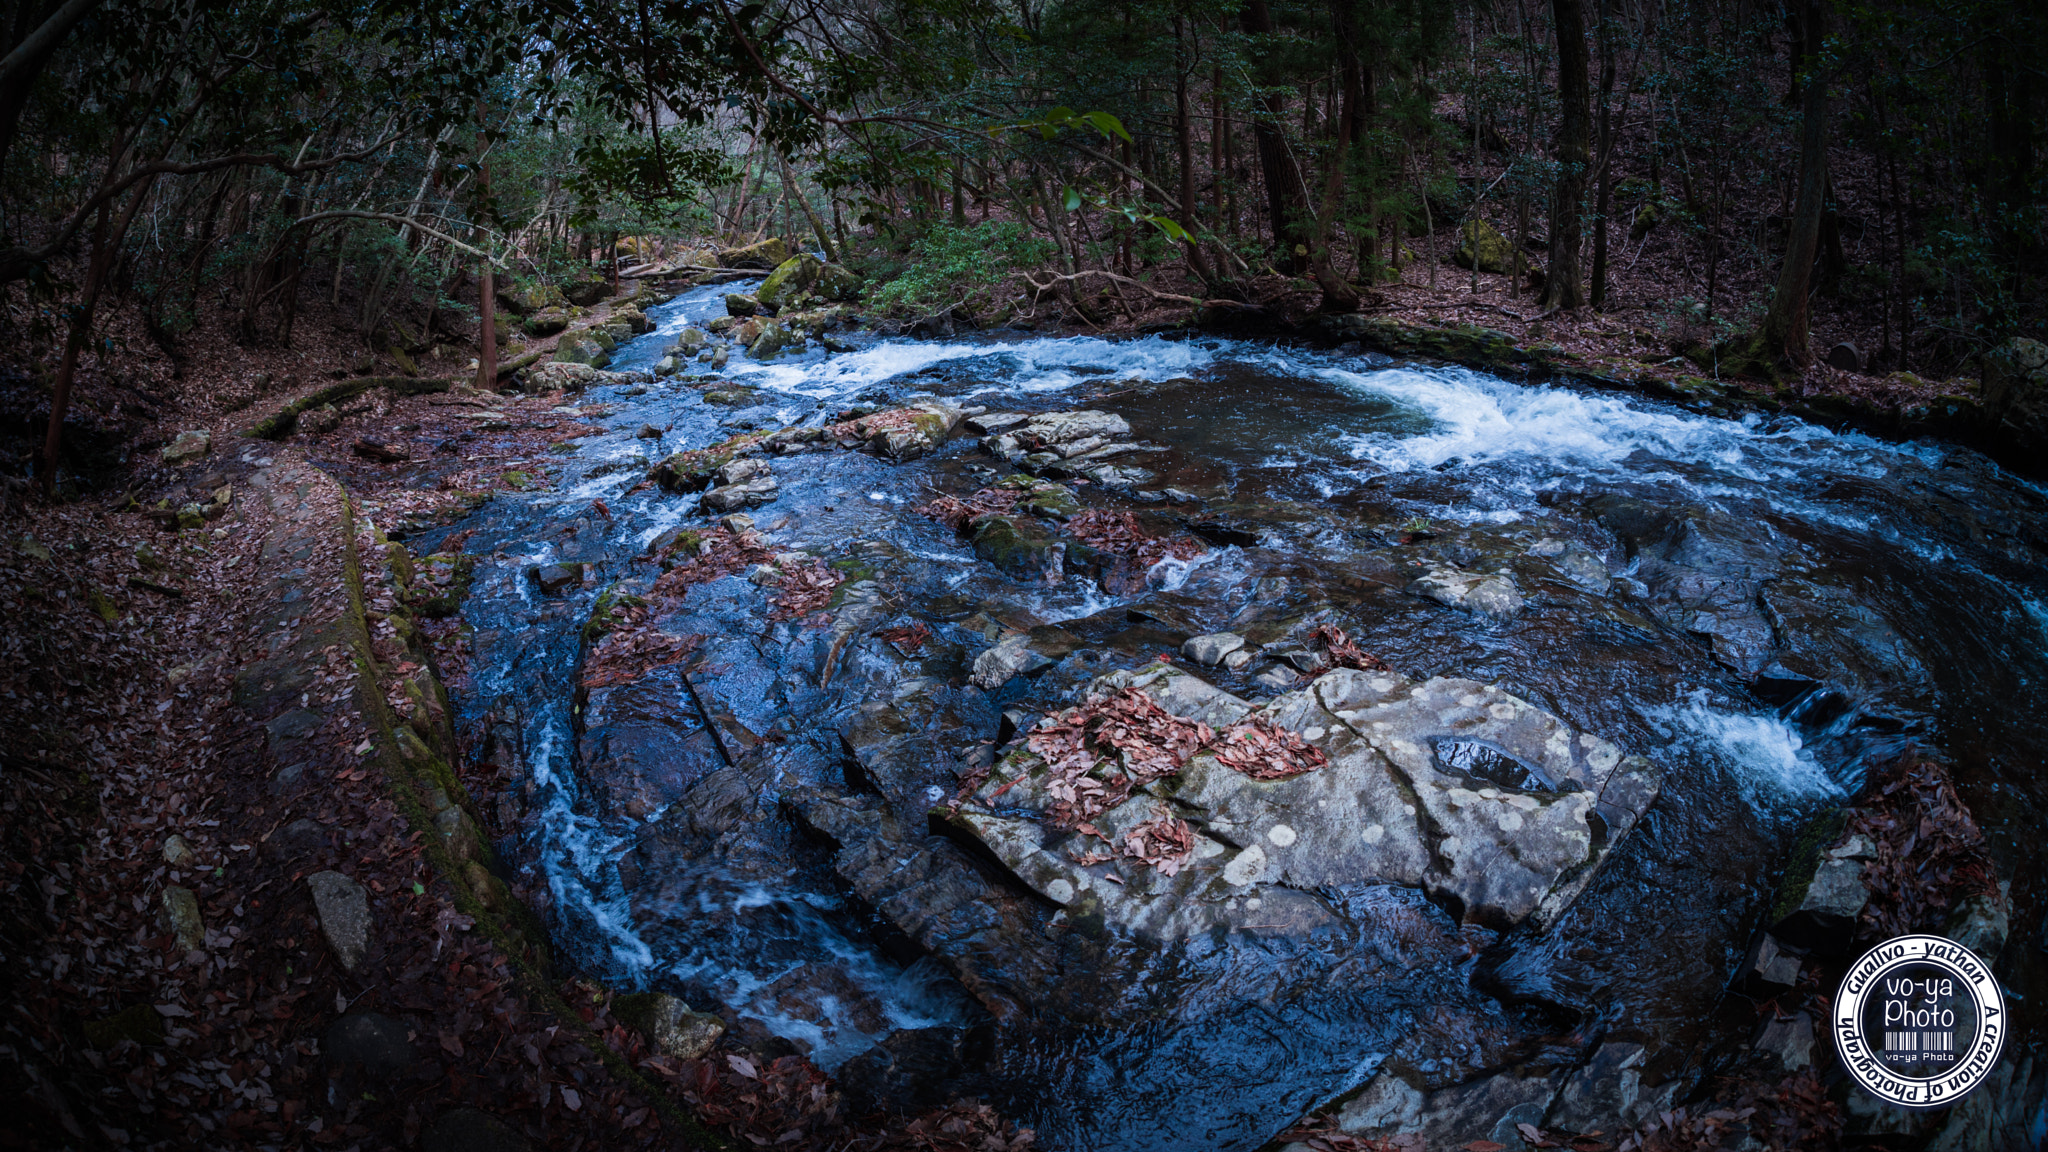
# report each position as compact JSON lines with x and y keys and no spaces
{"x":1108,"y":125}
{"x":1169,"y":227}
{"x":419,"y":889}
{"x":1073,"y":200}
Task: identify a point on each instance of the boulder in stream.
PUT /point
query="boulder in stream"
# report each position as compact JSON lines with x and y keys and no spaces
{"x":899,"y":433}
{"x":765,"y":255}
{"x":1480,"y":798}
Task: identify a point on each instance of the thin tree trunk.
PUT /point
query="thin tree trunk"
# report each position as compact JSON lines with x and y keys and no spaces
{"x":1286,"y":191}
{"x":1605,"y":201}
{"x":487,"y":302}
{"x":818,"y":225}
{"x":1184,"y":137}
{"x":106,"y":241}
{"x":1787,"y":326}
{"x":1561,"y":287}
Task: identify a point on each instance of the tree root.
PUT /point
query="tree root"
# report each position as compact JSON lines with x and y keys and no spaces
{"x":280,"y":425}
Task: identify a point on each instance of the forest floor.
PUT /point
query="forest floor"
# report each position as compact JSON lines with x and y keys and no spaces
{"x":135,"y":770}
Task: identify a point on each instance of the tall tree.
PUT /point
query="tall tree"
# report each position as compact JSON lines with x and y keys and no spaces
{"x":1286,"y":190}
{"x":1786,"y":326}
{"x":1567,"y":196}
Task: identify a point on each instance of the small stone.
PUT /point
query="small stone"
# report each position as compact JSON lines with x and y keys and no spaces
{"x":738,"y":523}
{"x":648,"y":432}
{"x":1790,"y":1040}
{"x":177,"y":852}
{"x":751,"y":494}
{"x":374,"y":1042}
{"x":668,"y":1024}
{"x":181,"y":914}
{"x":740,"y":471}
{"x":1211,"y":649}
{"x":190,"y":445}
{"x":552,"y":578}
{"x":1278,"y":678}
{"x":1011,"y":657}
{"x":1771,"y":965}
{"x":344,"y":908}
{"x":990,"y":423}
{"x":1237,"y":660}
{"x":739,"y":304}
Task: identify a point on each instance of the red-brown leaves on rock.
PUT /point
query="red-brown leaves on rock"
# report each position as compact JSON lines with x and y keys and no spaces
{"x":1127,"y":736}
{"x":718,"y":553}
{"x":1123,"y":535}
{"x":806,"y":589}
{"x":908,"y":638}
{"x":958,"y":513}
{"x":1343,"y":651}
{"x":1165,"y":843}
{"x":633,"y":648}
{"x":862,"y":428}
{"x":1930,"y":853}
{"x":1794,"y":1114}
{"x":1262,"y":750}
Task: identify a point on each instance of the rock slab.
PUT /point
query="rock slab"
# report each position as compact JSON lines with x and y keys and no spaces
{"x":344,"y":908}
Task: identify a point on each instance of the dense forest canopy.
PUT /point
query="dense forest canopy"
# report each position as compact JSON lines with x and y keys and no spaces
{"x":191,"y":156}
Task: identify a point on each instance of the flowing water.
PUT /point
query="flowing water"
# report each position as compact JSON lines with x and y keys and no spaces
{"x":1762,"y":607}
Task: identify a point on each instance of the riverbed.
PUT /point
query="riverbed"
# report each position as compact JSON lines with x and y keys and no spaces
{"x":1762,"y":609}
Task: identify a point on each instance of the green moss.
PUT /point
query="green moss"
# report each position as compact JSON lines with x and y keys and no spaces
{"x":1819,"y":832}
{"x":516,"y":479}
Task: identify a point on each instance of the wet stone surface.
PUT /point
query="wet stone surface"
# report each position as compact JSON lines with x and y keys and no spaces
{"x":1628,"y":651}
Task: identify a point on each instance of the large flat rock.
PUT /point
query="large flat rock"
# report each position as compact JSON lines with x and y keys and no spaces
{"x":1495,"y":808}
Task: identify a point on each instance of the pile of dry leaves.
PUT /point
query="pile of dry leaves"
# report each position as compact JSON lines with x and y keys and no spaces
{"x":1136,"y":548}
{"x":1344,"y":652}
{"x":1098,"y":753}
{"x":958,"y":513}
{"x":861,"y":428}
{"x":632,"y":648}
{"x":908,"y":639}
{"x":1930,"y":853}
{"x":1263,"y":750}
{"x":806,"y":589}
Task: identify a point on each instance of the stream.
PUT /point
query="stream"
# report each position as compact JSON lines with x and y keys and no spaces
{"x":1763,"y":609}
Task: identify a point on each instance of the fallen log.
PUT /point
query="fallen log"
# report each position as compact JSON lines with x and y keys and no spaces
{"x":281,"y":424}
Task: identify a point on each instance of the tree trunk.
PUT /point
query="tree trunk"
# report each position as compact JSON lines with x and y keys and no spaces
{"x":818,"y":225}
{"x":1184,"y":137}
{"x":106,"y":241}
{"x":1561,"y":287}
{"x":1604,"y":202}
{"x":1786,"y":327}
{"x":1338,"y":294}
{"x":1286,"y":191}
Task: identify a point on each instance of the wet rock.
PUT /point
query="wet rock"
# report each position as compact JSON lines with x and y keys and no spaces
{"x":181,"y":916}
{"x":912,"y":1069}
{"x":691,"y":341}
{"x":1770,"y":966}
{"x":1211,"y":649}
{"x":774,"y":340}
{"x":553,"y":578}
{"x":344,"y":908}
{"x":583,"y":348}
{"x":739,"y":523}
{"x":1050,"y":437}
{"x":1489,"y":595}
{"x":370,"y":1041}
{"x":1277,"y":678}
{"x":990,"y":423}
{"x":899,"y":433}
{"x":739,"y":471}
{"x":189,"y":446}
{"x":1021,"y":548}
{"x":747,"y":494}
{"x":1607,"y":1092}
{"x":765,"y":256}
{"x":1822,"y":896}
{"x":1011,"y":657}
{"x":1484,"y":1109}
{"x":1981,"y":922}
{"x":1574,"y":562}
{"x":468,"y":1130}
{"x":791,"y":280}
{"x":1789,"y":1040}
{"x":1387,"y":808}
{"x":648,"y":432}
{"x":668,"y":1024}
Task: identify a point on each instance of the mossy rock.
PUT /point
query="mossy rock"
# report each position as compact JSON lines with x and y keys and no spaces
{"x":1483,"y":242}
{"x":737,"y":396}
{"x":582,"y":348}
{"x":516,"y":479}
{"x":442,"y":597}
{"x":766,"y":256}
{"x":792,"y":277}
{"x":1820,"y":832}
{"x":690,"y":471}
{"x":1020,"y":548}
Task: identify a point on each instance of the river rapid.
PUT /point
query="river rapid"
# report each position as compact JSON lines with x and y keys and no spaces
{"x":1763,"y":609}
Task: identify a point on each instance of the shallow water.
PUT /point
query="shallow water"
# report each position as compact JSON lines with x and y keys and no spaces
{"x":1781,"y":606}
